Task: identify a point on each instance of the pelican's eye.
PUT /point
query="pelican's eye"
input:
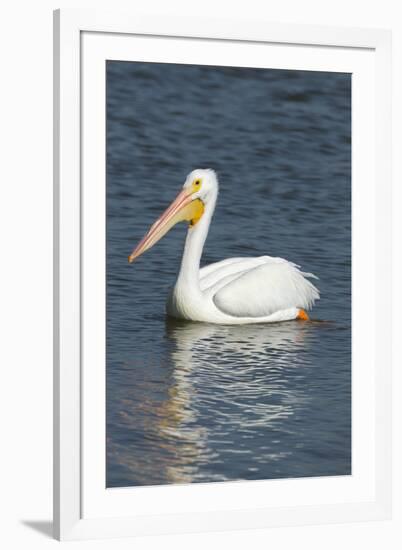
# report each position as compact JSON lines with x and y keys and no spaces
{"x":196,"y":184}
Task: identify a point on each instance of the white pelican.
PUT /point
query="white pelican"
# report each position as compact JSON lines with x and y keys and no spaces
{"x":233,"y":291}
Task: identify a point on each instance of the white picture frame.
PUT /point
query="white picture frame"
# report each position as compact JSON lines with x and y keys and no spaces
{"x":83,"y":507}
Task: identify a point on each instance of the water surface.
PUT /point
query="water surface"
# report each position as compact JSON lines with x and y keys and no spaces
{"x":193,"y":402}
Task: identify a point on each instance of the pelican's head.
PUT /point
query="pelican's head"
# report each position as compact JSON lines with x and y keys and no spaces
{"x":199,"y":189}
{"x":202,"y":184}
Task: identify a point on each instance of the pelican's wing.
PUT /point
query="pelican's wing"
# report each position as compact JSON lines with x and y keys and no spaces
{"x":273,"y":285}
{"x":213,"y":273}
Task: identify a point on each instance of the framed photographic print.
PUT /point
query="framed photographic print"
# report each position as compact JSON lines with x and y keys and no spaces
{"x":222,"y":265}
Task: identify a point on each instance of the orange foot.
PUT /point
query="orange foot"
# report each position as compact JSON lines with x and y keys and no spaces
{"x":302,"y":315}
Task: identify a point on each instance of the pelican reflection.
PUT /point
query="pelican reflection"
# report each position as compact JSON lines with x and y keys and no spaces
{"x":228,"y":391}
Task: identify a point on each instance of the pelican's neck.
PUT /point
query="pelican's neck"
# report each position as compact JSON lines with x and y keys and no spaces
{"x":196,"y":236}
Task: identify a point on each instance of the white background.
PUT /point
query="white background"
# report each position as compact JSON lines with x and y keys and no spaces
{"x":26,"y":272}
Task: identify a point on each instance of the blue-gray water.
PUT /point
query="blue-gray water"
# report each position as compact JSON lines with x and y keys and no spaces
{"x":192,"y":402}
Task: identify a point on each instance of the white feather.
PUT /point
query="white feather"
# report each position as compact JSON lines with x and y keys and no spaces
{"x":273,"y":285}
